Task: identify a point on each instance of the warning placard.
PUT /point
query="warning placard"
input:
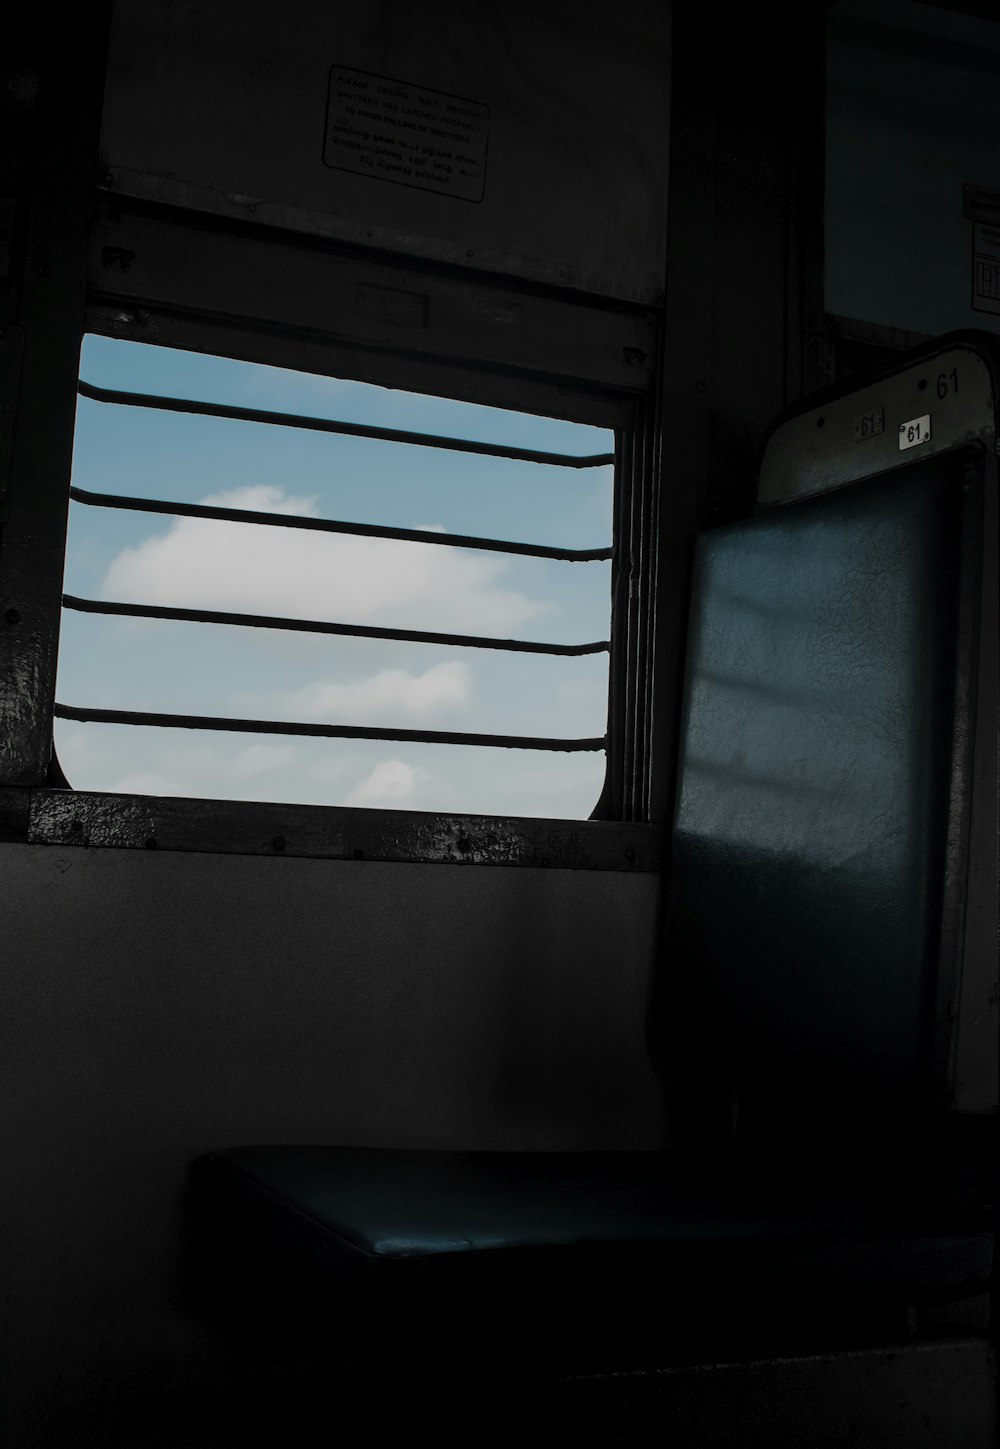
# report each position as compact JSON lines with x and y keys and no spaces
{"x":986,"y":268}
{"x":394,"y":131}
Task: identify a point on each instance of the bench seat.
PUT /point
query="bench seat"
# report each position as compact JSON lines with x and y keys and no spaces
{"x":815,"y":1192}
{"x":304,"y":1240}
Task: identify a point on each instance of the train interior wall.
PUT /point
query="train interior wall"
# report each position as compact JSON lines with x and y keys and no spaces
{"x":159,"y":1004}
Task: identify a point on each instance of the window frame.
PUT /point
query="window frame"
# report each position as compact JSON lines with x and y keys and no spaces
{"x":152,"y":275}
{"x":744,"y":246}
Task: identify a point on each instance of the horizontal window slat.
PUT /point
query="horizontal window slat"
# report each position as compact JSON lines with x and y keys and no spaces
{"x":319,"y":626}
{"x":324,"y":731}
{"x":331,"y":525}
{"x":329,"y":425}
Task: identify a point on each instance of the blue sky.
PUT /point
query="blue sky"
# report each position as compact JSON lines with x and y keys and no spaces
{"x":207,"y":669}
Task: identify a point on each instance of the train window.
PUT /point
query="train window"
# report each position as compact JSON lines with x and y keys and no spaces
{"x":421,"y":624}
{"x":912,"y":109}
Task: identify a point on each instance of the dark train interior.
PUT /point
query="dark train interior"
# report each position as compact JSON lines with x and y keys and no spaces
{"x":605,"y":1045}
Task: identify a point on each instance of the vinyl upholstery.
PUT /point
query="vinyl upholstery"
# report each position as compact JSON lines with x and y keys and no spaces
{"x":826,"y":664}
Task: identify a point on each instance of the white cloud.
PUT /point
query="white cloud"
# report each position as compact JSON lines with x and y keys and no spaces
{"x":155,"y":762}
{"x":259,"y":759}
{"x":328,"y":772}
{"x":381,"y":698}
{"x":391,"y":783}
{"x":147,"y":782}
{"x":261,"y":498}
{"x":200,"y":563}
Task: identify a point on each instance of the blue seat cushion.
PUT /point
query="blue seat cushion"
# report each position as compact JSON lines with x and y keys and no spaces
{"x":306,"y":1236}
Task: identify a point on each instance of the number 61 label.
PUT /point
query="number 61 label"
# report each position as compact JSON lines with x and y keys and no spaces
{"x":918,"y":430}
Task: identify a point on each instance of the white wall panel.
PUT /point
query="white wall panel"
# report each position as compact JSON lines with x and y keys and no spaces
{"x":308,"y":116}
{"x":158,"y":1005}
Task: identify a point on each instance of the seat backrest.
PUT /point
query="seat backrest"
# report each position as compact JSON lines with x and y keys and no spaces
{"x":818,"y":864}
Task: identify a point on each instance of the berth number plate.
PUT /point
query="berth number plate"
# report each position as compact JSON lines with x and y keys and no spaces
{"x":869,"y":425}
{"x":916,"y":431}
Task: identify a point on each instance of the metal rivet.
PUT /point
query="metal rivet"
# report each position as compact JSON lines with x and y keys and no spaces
{"x":359,"y":855}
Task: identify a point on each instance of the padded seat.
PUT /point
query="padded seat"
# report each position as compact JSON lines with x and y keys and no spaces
{"x":812,"y":922}
{"x":311,"y":1239}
